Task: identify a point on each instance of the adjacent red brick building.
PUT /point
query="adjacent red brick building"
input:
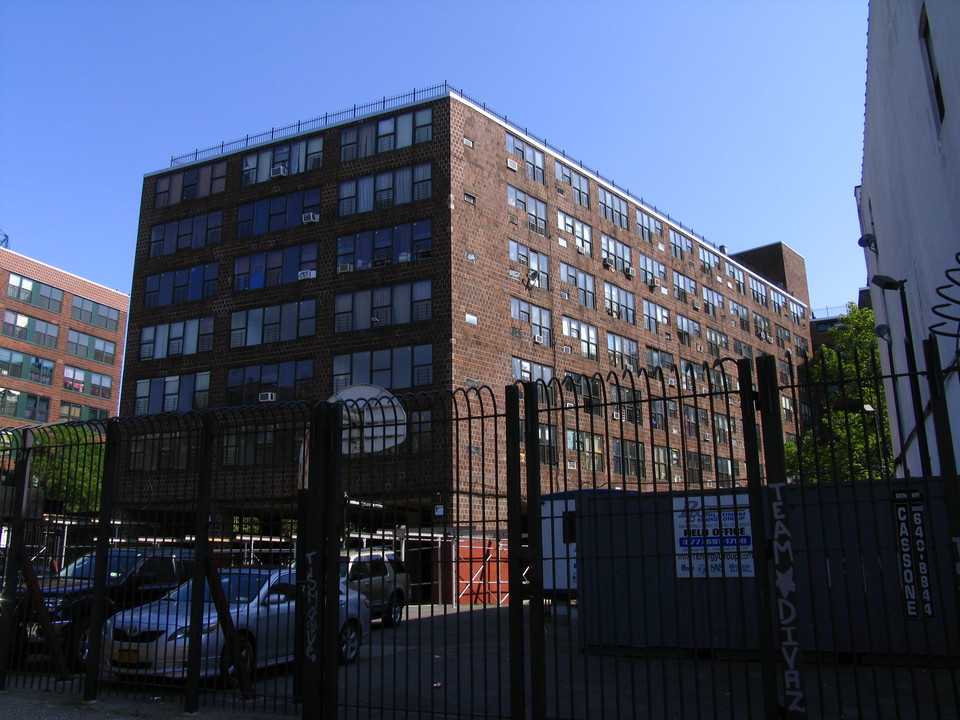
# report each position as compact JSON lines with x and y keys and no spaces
{"x":61,"y":348}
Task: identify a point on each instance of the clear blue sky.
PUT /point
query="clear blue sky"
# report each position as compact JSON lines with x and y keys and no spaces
{"x":743,"y":119}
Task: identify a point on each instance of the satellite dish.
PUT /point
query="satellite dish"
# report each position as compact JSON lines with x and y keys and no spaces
{"x":373,"y":419}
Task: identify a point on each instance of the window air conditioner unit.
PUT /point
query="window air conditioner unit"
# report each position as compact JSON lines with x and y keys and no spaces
{"x":267,"y":396}
{"x":567,"y":349}
{"x":630,"y":272}
{"x":615,"y":415}
{"x":672,"y":382}
{"x":581,"y":249}
{"x":306,"y":275}
{"x":310,"y":217}
{"x":538,"y":339}
{"x":512,"y":164}
{"x":344,"y":268}
{"x":707,"y":437}
{"x":571,"y":464}
{"x":522,"y":259}
{"x":514,"y":220}
{"x":630,"y":368}
{"x":696,"y":304}
{"x":678,"y":478}
{"x":278,"y":171}
{"x":607,"y":263}
{"x":403,"y":257}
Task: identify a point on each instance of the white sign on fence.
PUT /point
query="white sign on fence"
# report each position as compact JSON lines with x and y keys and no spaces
{"x":713,"y":536}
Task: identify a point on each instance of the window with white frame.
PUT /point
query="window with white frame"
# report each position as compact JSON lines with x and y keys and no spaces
{"x":534,"y":209}
{"x":613,"y":207}
{"x":619,"y":303}
{"x":531,"y":156}
{"x":587,"y":335}
{"x":578,"y":182}
{"x":583,"y":281}
{"x":581,"y":232}
{"x":538,"y":318}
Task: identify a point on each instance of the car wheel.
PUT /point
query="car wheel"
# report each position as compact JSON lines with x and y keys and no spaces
{"x":349,"y":642}
{"x":229,"y":673}
{"x":394,"y":612}
{"x":78,"y":646}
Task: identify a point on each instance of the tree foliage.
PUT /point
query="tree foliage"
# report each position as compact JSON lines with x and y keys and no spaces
{"x":67,"y":463}
{"x":850,"y":436}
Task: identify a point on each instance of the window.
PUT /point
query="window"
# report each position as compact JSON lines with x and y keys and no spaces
{"x":717,"y":342}
{"x":628,"y":403}
{"x":736,"y":275}
{"x":186,"y":337}
{"x":9,"y":402}
{"x":695,"y":418}
{"x":282,"y":160}
{"x":584,"y":282}
{"x":386,"y":190}
{"x":687,"y":329}
{"x":172,"y":393}
{"x":578,"y":183}
{"x":797,"y":312}
{"x":34,"y":293}
{"x":101,"y":385}
{"x":198,"y":181}
{"x":696,"y":465}
{"x":761,"y":327}
{"x":398,"y":244}
{"x":12,"y":364}
{"x":41,"y":371}
{"x":537,"y":317}
{"x":615,"y":254}
{"x":275,"y":323}
{"x":623,"y":352}
{"x":533,"y":261}
{"x":30,"y":329}
{"x":651,"y":270}
{"x":802,"y":345}
{"x":289,"y":380}
{"x":275,"y":267}
{"x":536,"y":210}
{"x":664,"y":461}
{"x":90,"y":347}
{"x":628,"y":459}
{"x":386,"y":134}
{"x":184,"y":285}
{"x":392,"y":368}
{"x":531,"y":156}
{"x":787,"y":404}
{"x":648,"y":226}
{"x":74,"y":379}
{"x":193,"y":232}
{"x":680,"y":244}
{"x":581,"y":232}
{"x":726,"y":471}
{"x":529,"y":371}
{"x":723,"y":427}
{"x":712,"y":301}
{"x":742,"y":349}
{"x":588,"y":447}
{"x":275,"y":213}
{"x":783,"y":337}
{"x":613,"y":207}
{"x":661,"y":359}
{"x":758,"y":291}
{"x":741,"y":313}
{"x":778,"y":300}
{"x":587,"y":391}
{"x":382,"y":307}
{"x":619,"y":303}
{"x":585,"y":333}
{"x":708,"y":260}
{"x":933,"y":74}
{"x":654,"y":315}
{"x":36,"y":408}
{"x":75,"y":412}
{"x":683,"y":287}
{"x":94,"y":313}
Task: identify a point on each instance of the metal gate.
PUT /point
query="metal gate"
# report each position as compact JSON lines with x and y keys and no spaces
{"x":619,"y":547}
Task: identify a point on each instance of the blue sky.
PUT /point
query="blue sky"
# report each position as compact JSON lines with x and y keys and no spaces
{"x":743,"y":119}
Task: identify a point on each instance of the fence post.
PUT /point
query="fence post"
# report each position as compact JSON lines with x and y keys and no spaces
{"x":107,"y":491}
{"x":748,"y":399}
{"x":8,"y":596}
{"x":538,"y":656}
{"x":515,"y":558}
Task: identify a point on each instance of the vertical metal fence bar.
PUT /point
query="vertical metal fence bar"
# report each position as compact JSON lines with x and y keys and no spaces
{"x":515,"y":553}
{"x":15,"y":557}
{"x":91,"y":684}
{"x":328,"y":454}
{"x":748,"y":402}
{"x":538,"y":678}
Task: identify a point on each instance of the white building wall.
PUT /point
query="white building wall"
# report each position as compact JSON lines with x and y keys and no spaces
{"x":910,"y":193}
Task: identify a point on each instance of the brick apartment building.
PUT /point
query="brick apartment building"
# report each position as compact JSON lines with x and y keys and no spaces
{"x":61,"y":348}
{"x":424,"y":243}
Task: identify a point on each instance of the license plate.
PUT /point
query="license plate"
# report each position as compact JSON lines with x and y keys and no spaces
{"x":128,"y":657}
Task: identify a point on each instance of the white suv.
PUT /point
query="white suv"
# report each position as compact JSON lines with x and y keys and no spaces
{"x":381,"y":576}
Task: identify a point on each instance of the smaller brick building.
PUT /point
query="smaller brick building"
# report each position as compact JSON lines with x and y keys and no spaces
{"x":61,"y":345}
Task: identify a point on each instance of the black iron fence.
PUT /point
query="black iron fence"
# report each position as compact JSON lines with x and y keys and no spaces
{"x":725,"y":542}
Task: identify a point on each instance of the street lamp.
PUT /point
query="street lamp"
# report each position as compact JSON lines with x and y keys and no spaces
{"x":885,"y":282}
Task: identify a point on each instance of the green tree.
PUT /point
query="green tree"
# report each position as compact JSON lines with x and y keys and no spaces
{"x":67,"y":462}
{"x":850,"y":436}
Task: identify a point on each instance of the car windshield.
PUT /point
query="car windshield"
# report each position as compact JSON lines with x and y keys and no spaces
{"x":239,"y":589}
{"x":119,"y":565}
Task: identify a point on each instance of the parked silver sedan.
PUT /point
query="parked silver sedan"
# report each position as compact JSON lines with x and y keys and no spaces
{"x":153,"y":639}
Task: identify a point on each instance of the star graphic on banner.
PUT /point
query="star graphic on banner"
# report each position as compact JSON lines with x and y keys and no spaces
{"x":785,"y":582}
